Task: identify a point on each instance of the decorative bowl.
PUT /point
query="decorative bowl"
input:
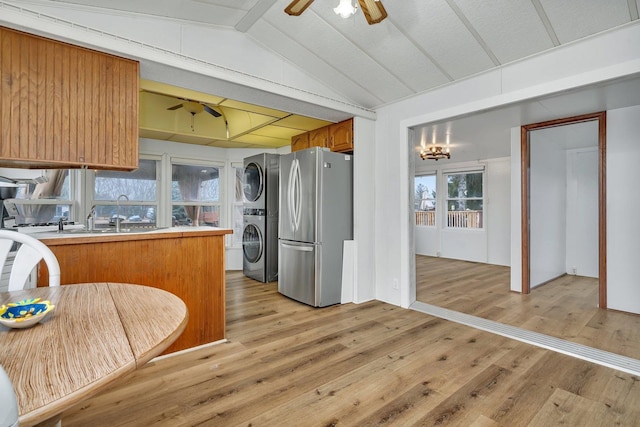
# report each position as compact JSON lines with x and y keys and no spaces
{"x":25,"y":313}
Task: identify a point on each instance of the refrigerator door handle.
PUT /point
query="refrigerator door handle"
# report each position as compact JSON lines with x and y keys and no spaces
{"x":290,"y":195}
{"x":297,"y":248}
{"x":297,"y":195}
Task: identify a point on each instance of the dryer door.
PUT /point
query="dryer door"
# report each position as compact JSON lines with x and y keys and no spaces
{"x":252,"y":243}
{"x":253,"y":182}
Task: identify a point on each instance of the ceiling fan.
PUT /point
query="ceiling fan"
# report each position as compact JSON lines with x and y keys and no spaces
{"x":195,"y":107}
{"x":373,"y":10}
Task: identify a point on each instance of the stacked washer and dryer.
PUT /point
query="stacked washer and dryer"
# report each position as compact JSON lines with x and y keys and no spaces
{"x":260,"y":211}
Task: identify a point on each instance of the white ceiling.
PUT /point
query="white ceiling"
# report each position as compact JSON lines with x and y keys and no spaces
{"x":423,"y":44}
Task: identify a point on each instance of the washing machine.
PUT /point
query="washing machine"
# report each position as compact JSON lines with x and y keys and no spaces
{"x":260,"y":228}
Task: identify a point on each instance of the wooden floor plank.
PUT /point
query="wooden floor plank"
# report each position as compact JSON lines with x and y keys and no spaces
{"x":565,"y":308}
{"x":373,"y":364}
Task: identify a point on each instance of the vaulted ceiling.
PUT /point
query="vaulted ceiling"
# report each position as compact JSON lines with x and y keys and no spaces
{"x":421,"y":45}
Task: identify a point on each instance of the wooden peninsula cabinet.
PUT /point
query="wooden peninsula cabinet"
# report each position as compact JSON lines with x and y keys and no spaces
{"x":186,"y":262}
{"x":337,"y":137}
{"x":66,"y":106}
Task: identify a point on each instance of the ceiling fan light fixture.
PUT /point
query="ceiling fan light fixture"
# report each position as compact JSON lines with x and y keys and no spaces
{"x":373,"y":10}
{"x":296,"y":7}
{"x":345,"y":9}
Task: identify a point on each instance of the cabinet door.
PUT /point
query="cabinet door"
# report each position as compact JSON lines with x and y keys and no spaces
{"x":319,"y":137}
{"x":66,"y":106}
{"x":341,"y":136}
{"x":300,"y":142}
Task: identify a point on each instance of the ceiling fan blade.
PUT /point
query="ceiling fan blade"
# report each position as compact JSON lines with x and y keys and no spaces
{"x":175,"y":107}
{"x":211,"y":111}
{"x":373,"y":10}
{"x":296,"y":7}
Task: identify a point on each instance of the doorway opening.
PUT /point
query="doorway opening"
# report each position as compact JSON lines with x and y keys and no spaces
{"x":526,"y":191}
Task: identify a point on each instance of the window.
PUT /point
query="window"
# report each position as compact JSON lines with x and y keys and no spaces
{"x":195,"y":194}
{"x":425,"y":200}
{"x":46,"y":199}
{"x":135,"y":192}
{"x":464,"y":200}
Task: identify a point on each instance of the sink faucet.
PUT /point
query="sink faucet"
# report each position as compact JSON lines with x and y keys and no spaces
{"x":122,"y":196}
{"x":90,"y":218}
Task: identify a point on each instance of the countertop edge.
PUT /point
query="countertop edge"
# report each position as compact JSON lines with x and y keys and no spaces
{"x":53,"y":239}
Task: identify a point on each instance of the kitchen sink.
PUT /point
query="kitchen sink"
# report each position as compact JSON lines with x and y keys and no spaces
{"x":123,"y":230}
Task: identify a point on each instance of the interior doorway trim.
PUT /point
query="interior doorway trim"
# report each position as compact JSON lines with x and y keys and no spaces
{"x":525,"y":164}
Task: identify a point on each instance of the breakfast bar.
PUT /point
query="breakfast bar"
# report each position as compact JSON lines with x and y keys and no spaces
{"x":186,"y":261}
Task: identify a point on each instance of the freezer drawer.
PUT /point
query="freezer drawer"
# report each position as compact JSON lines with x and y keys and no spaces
{"x":297,"y":271}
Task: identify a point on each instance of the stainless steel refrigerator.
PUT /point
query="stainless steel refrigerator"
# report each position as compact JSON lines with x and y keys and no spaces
{"x":315,"y":218}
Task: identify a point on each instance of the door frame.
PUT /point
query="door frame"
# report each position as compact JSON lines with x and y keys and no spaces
{"x":525,"y":164}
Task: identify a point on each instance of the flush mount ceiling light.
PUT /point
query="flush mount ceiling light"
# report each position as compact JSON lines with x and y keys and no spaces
{"x":373,"y":10}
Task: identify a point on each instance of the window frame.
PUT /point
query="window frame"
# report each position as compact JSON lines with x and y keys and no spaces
{"x":434,"y":222}
{"x":220,"y":203}
{"x":446,"y":199}
{"x":157,"y":204}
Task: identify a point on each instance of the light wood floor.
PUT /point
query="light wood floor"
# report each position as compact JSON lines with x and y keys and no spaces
{"x":371,"y":364}
{"x":565,"y":308}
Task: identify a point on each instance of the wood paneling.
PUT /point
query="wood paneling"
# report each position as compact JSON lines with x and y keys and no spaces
{"x":370,"y":364}
{"x":189,"y":265}
{"x":66,"y":106}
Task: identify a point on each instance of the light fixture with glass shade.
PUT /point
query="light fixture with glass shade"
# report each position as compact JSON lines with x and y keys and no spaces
{"x":435,"y":152}
{"x":345,"y":9}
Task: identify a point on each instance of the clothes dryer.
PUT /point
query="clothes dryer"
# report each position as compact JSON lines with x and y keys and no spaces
{"x":260,"y":228}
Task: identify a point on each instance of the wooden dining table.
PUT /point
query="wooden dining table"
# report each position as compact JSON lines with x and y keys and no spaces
{"x":97,"y":333}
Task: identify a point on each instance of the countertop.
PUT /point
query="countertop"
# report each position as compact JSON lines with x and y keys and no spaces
{"x":69,"y":238}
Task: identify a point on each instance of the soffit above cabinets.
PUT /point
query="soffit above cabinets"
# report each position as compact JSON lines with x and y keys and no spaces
{"x":238,"y":125}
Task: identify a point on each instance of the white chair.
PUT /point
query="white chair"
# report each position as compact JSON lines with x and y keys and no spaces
{"x":29,"y":254}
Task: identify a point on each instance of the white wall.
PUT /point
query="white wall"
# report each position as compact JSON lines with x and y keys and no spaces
{"x":582,"y":212}
{"x":623,"y":204}
{"x":547,"y":206}
{"x":562,"y":69}
{"x":488,"y":245}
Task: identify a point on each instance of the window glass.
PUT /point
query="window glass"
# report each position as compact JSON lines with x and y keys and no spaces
{"x":132,"y":195}
{"x":425,"y":200}
{"x":465,"y":200}
{"x":44,"y":200}
{"x":140,"y":185}
{"x":195,"y":195}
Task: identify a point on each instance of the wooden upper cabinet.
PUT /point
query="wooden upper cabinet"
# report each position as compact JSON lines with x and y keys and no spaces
{"x":319,"y":137}
{"x":300,"y":142}
{"x":66,"y":106}
{"x":341,"y":136}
